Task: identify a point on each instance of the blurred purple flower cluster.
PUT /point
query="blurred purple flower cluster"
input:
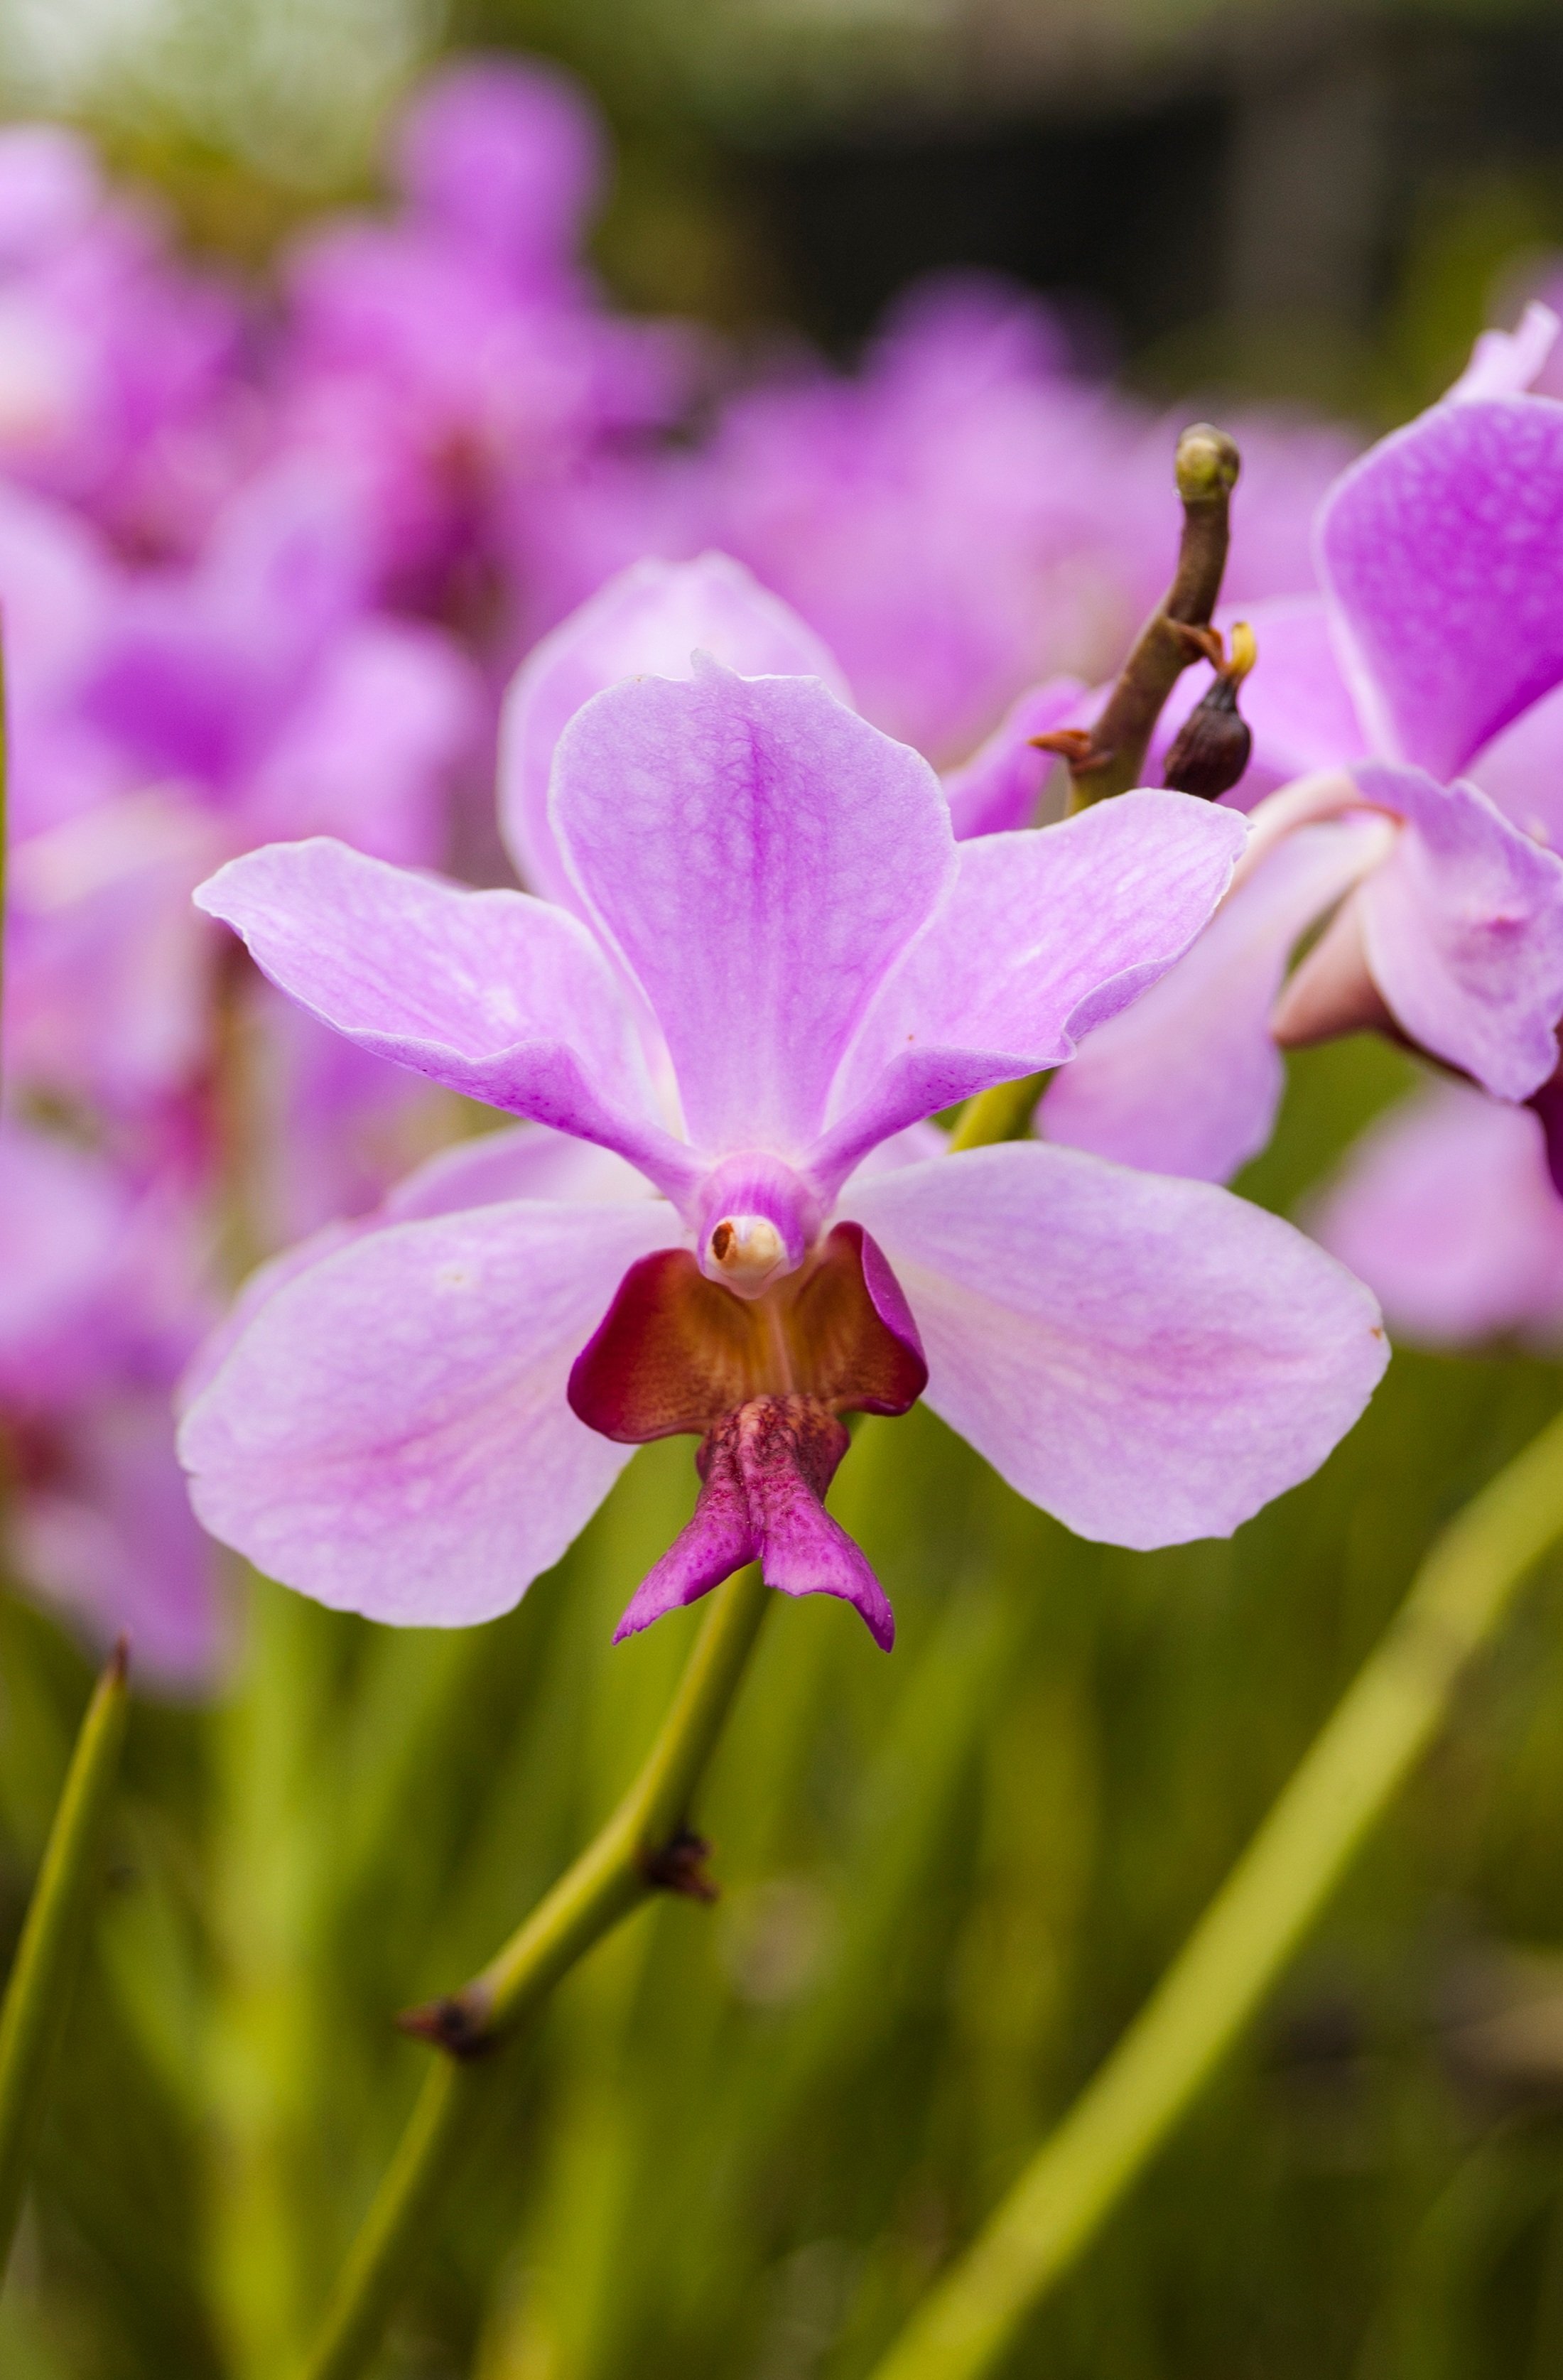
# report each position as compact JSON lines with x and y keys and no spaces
{"x":266,"y":566}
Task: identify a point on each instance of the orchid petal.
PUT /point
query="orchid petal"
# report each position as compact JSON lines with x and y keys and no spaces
{"x":1189,"y":1080}
{"x":390,"y":1434}
{"x":647,"y":622}
{"x":1523,"y":771}
{"x":1297,"y":703}
{"x":1446,"y":1209}
{"x":760,"y":857}
{"x":1151,"y":1360}
{"x":1045,"y":937}
{"x":1462,"y":927}
{"x":495,"y":994}
{"x":998,"y":789}
{"x":1442,"y":549}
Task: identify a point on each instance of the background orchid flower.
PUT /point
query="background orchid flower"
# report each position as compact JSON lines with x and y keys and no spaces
{"x":454,"y":358}
{"x":118,"y":365}
{"x":1441,"y":626}
{"x":417,"y":1424}
{"x":1448,"y":1208}
{"x":94,"y":1328}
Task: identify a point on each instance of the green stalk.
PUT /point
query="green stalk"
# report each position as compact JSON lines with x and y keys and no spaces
{"x":1002,"y":1113}
{"x":642,"y":1850}
{"x":1268,"y":1904}
{"x":49,"y":1954}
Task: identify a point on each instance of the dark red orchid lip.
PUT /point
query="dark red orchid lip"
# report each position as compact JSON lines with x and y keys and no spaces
{"x":676,"y":1351}
{"x":764,"y":1382}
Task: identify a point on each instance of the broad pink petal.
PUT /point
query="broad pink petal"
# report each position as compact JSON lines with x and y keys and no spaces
{"x":1463,"y":931}
{"x":1045,"y":937}
{"x":496,"y":994}
{"x":760,"y":857}
{"x":1188,"y":1080}
{"x":1443,"y":550}
{"x":998,"y":789}
{"x":647,"y":622}
{"x":1151,"y":1360}
{"x":390,"y":1435}
{"x":1446,"y":1209}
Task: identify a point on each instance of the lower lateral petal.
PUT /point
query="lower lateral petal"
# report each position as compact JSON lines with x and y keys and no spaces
{"x":390,"y":1433}
{"x":1150,"y":1359}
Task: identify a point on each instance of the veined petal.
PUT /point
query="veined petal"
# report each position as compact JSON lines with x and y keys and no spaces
{"x":1188,"y":1080}
{"x":1442,"y":549}
{"x":647,"y":622}
{"x":496,"y":994}
{"x":390,"y":1434}
{"x":1445,"y":1208}
{"x":1151,"y":1360}
{"x":760,"y":857}
{"x":1462,"y":927}
{"x":1043,"y":938}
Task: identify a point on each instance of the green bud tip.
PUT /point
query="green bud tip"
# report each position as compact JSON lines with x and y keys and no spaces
{"x":1207,"y":464}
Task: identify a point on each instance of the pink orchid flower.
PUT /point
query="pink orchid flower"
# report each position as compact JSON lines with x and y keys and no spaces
{"x":1437,"y":640}
{"x":774,"y":960}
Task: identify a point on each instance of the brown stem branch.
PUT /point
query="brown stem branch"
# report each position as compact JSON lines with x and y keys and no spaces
{"x":1109,"y":756}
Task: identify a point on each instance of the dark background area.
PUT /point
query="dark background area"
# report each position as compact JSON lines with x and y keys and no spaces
{"x":1324,"y":206}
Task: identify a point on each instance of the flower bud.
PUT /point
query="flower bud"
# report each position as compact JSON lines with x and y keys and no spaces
{"x":1211,"y":749}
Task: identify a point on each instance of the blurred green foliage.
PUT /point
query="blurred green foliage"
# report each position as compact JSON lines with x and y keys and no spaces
{"x":742,"y":2137}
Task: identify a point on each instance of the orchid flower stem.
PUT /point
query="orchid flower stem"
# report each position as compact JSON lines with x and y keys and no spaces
{"x":1111,"y":756}
{"x":54,"y":1936}
{"x":642,"y":1848}
{"x":1272,"y":1897}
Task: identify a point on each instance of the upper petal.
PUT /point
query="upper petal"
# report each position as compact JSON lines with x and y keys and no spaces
{"x":1189,"y":1079}
{"x":390,"y":1433}
{"x":760,"y":857}
{"x":499,"y":995}
{"x":1151,"y":1360}
{"x":647,"y":622}
{"x":1443,"y":550}
{"x":1044,"y":937}
{"x":1463,"y":931}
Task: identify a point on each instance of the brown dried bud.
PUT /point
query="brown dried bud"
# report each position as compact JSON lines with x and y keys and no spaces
{"x":1211,"y":748}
